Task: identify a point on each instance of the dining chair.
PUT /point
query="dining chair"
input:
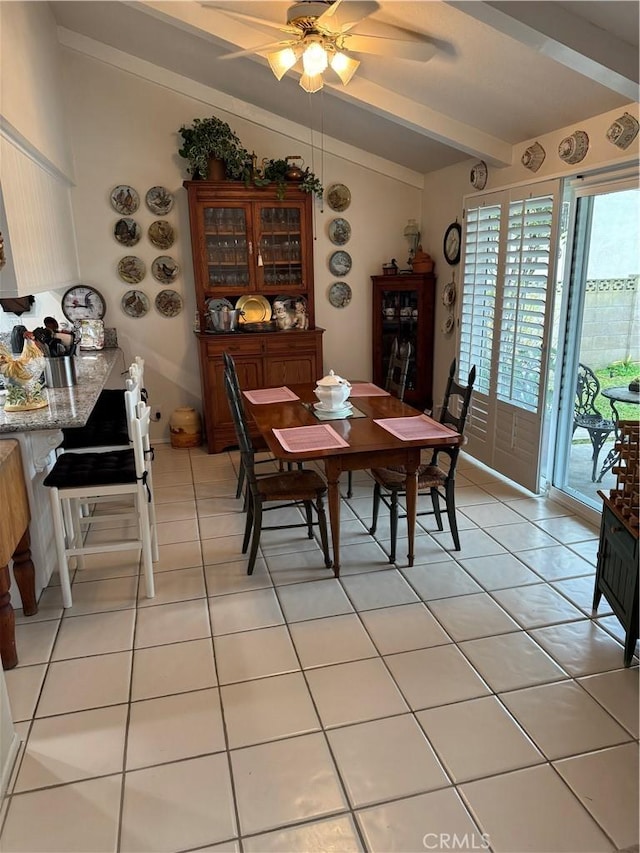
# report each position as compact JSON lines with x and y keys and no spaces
{"x":395,"y":382}
{"x":588,"y":416}
{"x":259,"y":444}
{"x":390,"y":483}
{"x":299,"y":488}
{"x":104,"y":478}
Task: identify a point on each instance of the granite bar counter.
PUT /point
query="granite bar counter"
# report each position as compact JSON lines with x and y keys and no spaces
{"x":68,"y":407}
{"x":39,"y":432}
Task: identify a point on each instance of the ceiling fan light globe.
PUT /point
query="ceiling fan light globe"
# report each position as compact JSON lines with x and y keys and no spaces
{"x":314,"y":59}
{"x":281,"y":61}
{"x":311,"y":82}
{"x":344,"y":66}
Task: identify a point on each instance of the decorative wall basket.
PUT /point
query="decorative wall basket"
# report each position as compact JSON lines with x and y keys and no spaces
{"x":533,"y":157}
{"x":573,"y":149}
{"x":478,"y":175}
{"x":623,"y":131}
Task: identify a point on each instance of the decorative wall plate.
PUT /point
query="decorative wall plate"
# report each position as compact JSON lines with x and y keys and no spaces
{"x":339,"y":232}
{"x":164,"y":269}
{"x":573,"y":149}
{"x":447,"y":326}
{"x":159,"y":200}
{"x":478,"y":176}
{"x":124,"y":199}
{"x":340,"y":294}
{"x":340,"y":263}
{"x":449,"y":294}
{"x":338,"y":197}
{"x":169,"y":303}
{"x":135,"y":303}
{"x":131,"y":269}
{"x":127,"y":231}
{"x":161,"y":234}
{"x":83,"y":302}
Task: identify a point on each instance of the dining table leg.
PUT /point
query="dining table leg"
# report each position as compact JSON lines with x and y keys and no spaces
{"x":333,"y":470}
{"x":411,"y":487}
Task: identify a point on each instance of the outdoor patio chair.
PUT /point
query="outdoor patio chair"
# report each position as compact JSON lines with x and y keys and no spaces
{"x":587,"y":416}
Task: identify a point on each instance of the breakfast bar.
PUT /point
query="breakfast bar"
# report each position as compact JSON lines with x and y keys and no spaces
{"x":39,"y":432}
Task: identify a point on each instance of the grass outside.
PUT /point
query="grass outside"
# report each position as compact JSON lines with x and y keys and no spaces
{"x":616,"y":374}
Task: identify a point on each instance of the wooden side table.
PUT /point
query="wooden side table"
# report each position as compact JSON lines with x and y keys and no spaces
{"x":14,"y":542}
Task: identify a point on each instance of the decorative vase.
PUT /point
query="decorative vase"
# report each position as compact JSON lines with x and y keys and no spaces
{"x":185,"y":427}
{"x":216,"y":169}
{"x":22,"y":378}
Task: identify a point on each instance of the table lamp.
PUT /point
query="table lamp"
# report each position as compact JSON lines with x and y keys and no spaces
{"x":412,"y":233}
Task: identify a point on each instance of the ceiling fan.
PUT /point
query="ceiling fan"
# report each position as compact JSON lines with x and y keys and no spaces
{"x":321,"y":33}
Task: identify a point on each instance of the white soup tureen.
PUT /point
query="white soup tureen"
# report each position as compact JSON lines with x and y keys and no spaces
{"x":332,"y":391}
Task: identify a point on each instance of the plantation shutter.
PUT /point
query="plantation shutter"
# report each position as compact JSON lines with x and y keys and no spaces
{"x":508,"y":255}
{"x":479,"y":288}
{"x":527,"y":263}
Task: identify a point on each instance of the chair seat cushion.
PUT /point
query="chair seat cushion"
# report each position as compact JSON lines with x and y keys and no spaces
{"x":96,"y":433}
{"x":394,"y":477}
{"x":291,"y":486}
{"x":73,"y":470}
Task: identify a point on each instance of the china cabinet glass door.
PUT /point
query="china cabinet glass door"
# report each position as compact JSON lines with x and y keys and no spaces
{"x":280,"y":246}
{"x":228,"y":248}
{"x":400,"y":320}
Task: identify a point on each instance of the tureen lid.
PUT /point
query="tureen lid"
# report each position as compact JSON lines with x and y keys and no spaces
{"x":332,"y":379}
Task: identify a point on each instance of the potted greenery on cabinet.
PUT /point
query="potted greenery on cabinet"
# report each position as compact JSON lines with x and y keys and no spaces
{"x":211,"y":139}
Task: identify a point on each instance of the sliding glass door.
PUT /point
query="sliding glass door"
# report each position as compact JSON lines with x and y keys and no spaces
{"x":596,"y":334}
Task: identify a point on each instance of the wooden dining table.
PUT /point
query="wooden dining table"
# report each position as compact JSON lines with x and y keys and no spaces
{"x":369,"y":445}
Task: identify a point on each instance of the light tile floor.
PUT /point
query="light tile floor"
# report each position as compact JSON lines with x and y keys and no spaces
{"x":467,"y":701}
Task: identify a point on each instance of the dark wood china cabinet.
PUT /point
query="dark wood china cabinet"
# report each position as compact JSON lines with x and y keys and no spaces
{"x":246,"y":242}
{"x":404,"y":308}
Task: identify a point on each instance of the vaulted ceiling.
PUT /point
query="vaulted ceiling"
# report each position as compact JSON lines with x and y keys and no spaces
{"x":501,"y":72}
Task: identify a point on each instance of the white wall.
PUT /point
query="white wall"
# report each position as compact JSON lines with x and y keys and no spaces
{"x":32,"y":101}
{"x":124,"y":131}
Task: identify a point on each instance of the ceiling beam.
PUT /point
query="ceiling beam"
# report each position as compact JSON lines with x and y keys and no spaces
{"x":210,"y":23}
{"x":552,"y":30}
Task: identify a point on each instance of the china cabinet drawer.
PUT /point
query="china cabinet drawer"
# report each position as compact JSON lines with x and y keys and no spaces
{"x":289,"y":342}
{"x":237,"y":344}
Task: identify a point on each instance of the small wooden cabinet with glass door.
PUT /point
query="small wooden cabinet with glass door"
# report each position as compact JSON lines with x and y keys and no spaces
{"x":252,"y":251}
{"x":404,"y":308}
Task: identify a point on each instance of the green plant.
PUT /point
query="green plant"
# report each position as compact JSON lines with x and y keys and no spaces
{"x":212,"y":137}
{"x":275,"y":172}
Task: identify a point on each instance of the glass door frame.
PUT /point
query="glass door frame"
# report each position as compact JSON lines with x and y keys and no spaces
{"x":578,"y":197}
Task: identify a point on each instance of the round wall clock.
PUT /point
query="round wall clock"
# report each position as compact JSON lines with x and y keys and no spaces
{"x":451,"y":244}
{"x":83,"y":303}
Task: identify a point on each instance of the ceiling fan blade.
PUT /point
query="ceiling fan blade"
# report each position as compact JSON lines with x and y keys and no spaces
{"x":251,"y":19}
{"x":418,"y":51}
{"x":257,"y":49}
{"x":345,"y":14}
